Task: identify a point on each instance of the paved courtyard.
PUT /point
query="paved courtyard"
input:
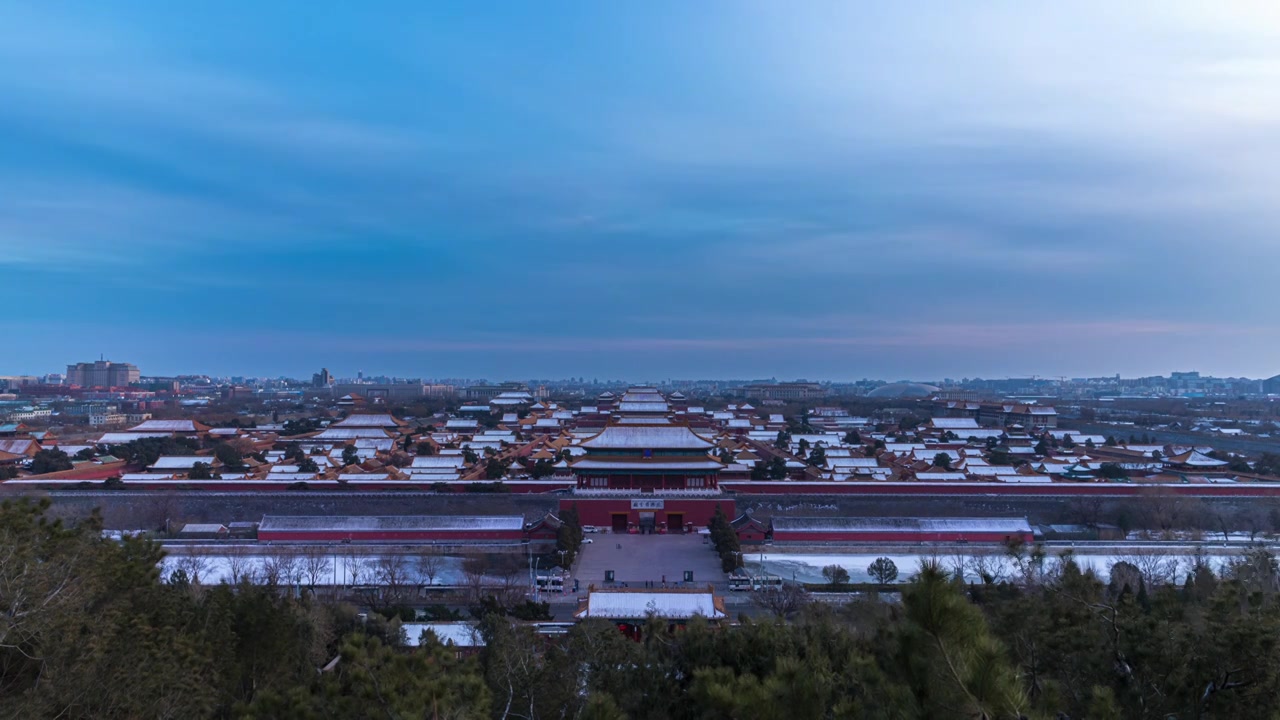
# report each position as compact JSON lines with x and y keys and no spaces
{"x":648,"y":558}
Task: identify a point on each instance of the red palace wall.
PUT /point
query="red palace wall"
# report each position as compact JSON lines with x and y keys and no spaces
{"x":910,"y":538}
{"x":407,"y":536}
{"x":1058,"y":489}
{"x":600,"y":511}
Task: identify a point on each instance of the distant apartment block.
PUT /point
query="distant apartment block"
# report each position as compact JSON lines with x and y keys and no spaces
{"x":1271,"y":386}
{"x":786,"y":391}
{"x":380,"y":392}
{"x":485,"y":393}
{"x":102,"y":373}
{"x":110,"y":419}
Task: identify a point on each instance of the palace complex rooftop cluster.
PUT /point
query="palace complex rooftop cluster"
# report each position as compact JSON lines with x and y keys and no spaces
{"x":638,"y":442}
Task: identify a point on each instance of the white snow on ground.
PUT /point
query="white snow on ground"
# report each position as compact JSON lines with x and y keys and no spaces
{"x":217,"y":567}
{"x":808,"y":568}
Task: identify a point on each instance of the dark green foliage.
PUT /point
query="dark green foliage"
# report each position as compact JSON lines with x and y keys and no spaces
{"x":776,"y":469}
{"x":8,"y":472}
{"x":200,"y":471}
{"x":531,"y":611}
{"x":883,"y":570}
{"x":85,"y":454}
{"x":50,"y":460}
{"x":569,"y":535}
{"x":350,"y":456}
{"x":725,"y":541}
{"x":494,"y":469}
{"x":375,"y":680}
{"x":146,"y":451}
{"x":942,"y":460}
{"x":1112,"y":471}
{"x":1268,"y":464}
{"x":425,"y":448}
{"x":307,"y":465}
{"x":300,"y":427}
{"x":88,"y":631}
{"x":229,"y":456}
{"x":836,"y":575}
{"x":818,"y":457}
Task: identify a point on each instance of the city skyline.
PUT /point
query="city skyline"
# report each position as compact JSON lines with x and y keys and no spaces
{"x":720,"y":190}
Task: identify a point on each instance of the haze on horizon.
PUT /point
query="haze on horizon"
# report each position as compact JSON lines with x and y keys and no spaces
{"x":646,"y":190}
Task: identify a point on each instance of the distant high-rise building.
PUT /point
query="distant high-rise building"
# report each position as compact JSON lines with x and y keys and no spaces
{"x":322,"y":378}
{"x":1271,"y":386}
{"x":102,"y":373}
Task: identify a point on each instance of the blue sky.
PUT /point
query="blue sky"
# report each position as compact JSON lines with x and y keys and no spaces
{"x":644,"y":190}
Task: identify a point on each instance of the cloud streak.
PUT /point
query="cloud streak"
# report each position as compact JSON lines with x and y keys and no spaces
{"x":822,"y":189}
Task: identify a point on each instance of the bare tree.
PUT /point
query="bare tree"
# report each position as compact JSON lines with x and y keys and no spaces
{"x":430,"y":564}
{"x":290,"y":565}
{"x":164,"y":510}
{"x":392,"y":572}
{"x":280,"y":567}
{"x":781,"y":600}
{"x":315,"y":564}
{"x":270,"y":571}
{"x":989,"y":567}
{"x":195,"y":563}
{"x":239,"y":565}
{"x":473,"y":569}
{"x":513,"y":581}
{"x":1157,"y":566}
{"x":354,"y":565}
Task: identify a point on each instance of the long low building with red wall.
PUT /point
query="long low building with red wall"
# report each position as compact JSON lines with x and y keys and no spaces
{"x":648,"y":513}
{"x":397,"y":528}
{"x":900,"y":530}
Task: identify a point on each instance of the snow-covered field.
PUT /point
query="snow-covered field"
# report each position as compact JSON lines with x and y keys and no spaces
{"x":327,"y":568}
{"x":1170,"y":564}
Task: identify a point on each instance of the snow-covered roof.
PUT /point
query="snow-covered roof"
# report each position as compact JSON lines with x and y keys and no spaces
{"x":1197,"y":459}
{"x":120,"y":438}
{"x":167,"y":426}
{"x":670,"y":605}
{"x":458,"y":634}
{"x":438,"y":461}
{"x":637,"y":437}
{"x":904,"y":525}
{"x":940,"y":476}
{"x":350,"y":433}
{"x":369,"y":421}
{"x":656,"y":464}
{"x":203,"y":528}
{"x":847,"y":462}
{"x":390,"y":523}
{"x":180,"y":462}
{"x":643,"y":407}
{"x":954,"y":423}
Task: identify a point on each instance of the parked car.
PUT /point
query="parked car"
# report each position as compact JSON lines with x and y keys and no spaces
{"x":587,"y":541}
{"x":590,"y":529}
